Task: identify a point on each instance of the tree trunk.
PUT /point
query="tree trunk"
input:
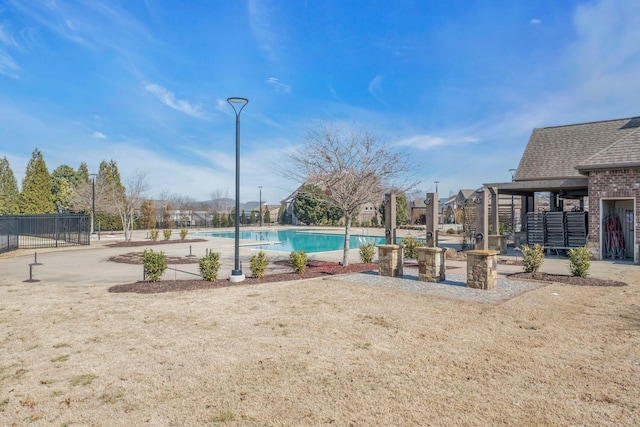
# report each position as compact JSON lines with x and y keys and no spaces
{"x":347,"y":238}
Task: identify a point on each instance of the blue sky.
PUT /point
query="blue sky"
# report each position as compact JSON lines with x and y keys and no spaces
{"x":457,"y":84}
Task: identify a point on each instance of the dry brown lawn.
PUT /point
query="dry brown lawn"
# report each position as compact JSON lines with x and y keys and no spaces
{"x":316,"y":352}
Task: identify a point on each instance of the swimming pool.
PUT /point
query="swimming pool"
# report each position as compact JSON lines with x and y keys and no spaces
{"x":289,"y":240}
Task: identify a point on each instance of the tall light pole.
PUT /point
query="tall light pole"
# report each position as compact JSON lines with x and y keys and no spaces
{"x":436,"y":185}
{"x":260,"y":187}
{"x":513,"y":226}
{"x":93,"y":203}
{"x":237,"y":104}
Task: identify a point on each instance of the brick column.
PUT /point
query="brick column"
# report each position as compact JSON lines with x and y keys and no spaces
{"x":431,"y":265}
{"x":390,"y":260}
{"x":482,"y":269}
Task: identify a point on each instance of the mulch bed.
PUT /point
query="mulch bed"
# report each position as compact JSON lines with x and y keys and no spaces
{"x":565,"y":279}
{"x":314,"y":269}
{"x":136,"y":258}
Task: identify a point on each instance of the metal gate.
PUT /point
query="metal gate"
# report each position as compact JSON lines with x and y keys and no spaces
{"x":43,"y":231}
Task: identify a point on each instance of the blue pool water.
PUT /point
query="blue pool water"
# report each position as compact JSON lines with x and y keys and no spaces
{"x":296,"y":240}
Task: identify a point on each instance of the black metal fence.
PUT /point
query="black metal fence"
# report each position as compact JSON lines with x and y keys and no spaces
{"x":43,"y":231}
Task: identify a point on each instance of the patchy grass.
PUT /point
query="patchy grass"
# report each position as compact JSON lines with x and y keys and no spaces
{"x":79,"y":380}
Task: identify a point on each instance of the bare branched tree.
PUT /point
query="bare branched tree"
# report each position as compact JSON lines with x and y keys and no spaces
{"x":127,"y":204}
{"x":220,"y":201}
{"x":352,"y":166}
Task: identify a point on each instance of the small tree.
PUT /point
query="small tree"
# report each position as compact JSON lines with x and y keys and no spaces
{"x":532,"y":258}
{"x":351,"y":166}
{"x":155,"y":264}
{"x":411,"y":245}
{"x":259,"y":263}
{"x":367,"y":252}
{"x":267,"y":215}
{"x":209,"y":266}
{"x":580,"y":261}
{"x":298,"y":260}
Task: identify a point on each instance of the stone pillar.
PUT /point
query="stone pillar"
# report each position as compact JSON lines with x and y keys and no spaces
{"x":390,"y":260}
{"x":482,"y":269}
{"x":431,"y":219}
{"x":390,"y":219}
{"x":498,"y":243}
{"x":431,"y":265}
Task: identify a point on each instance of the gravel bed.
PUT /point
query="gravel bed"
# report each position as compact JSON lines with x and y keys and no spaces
{"x":455,"y":286}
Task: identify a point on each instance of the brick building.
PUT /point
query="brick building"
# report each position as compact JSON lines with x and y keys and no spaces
{"x":596,"y":165}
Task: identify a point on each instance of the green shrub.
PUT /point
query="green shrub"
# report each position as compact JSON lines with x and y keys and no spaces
{"x":153,"y":234}
{"x":367,"y":251}
{"x":155,"y":263}
{"x":580,"y":261}
{"x":298,"y":261}
{"x":166,"y":233}
{"x":183,"y":233}
{"x":451,"y":231}
{"x":411,"y":245}
{"x":532,"y":258}
{"x":209,"y":266}
{"x":258,"y":263}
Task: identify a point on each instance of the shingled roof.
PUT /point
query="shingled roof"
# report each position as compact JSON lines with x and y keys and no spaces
{"x":556,"y":152}
{"x":624,"y":152}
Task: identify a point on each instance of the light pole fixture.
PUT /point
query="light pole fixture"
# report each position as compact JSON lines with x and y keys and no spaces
{"x":237,"y":104}
{"x":513,"y":226}
{"x":93,"y":203}
{"x":260,"y":207}
{"x":436,"y":185}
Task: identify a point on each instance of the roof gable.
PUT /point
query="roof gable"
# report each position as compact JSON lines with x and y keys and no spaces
{"x":555,"y":152}
{"x":623,"y":152}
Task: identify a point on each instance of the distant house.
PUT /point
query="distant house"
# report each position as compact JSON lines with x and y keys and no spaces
{"x":596,"y":165}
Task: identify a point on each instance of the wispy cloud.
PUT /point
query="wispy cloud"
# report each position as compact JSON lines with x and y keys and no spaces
{"x":262,"y":27}
{"x":535,"y":21}
{"x":170,"y":100}
{"x":8,"y":65}
{"x":277,"y":86}
{"x":375,"y":87}
{"x":427,"y":142}
{"x":99,"y":135}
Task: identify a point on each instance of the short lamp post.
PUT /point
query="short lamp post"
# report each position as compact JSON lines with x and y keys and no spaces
{"x":236,"y":274}
{"x":93,"y":203}
{"x":260,"y":207}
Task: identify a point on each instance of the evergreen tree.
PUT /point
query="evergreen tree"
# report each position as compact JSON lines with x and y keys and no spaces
{"x":215,"y":222}
{"x":243,"y":218}
{"x":282,"y":214}
{"x":36,"y":196}
{"x":267,"y":215}
{"x":402,"y":210}
{"x":310,"y":205}
{"x":9,"y":193}
{"x":224,"y":220}
{"x":147,"y":219}
{"x":254,"y":217}
{"x":231,"y":218}
{"x":402,"y":214}
{"x":83,"y":174}
{"x":64,"y":181}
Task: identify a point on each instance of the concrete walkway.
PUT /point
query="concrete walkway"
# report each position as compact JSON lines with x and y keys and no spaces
{"x":90,"y":265}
